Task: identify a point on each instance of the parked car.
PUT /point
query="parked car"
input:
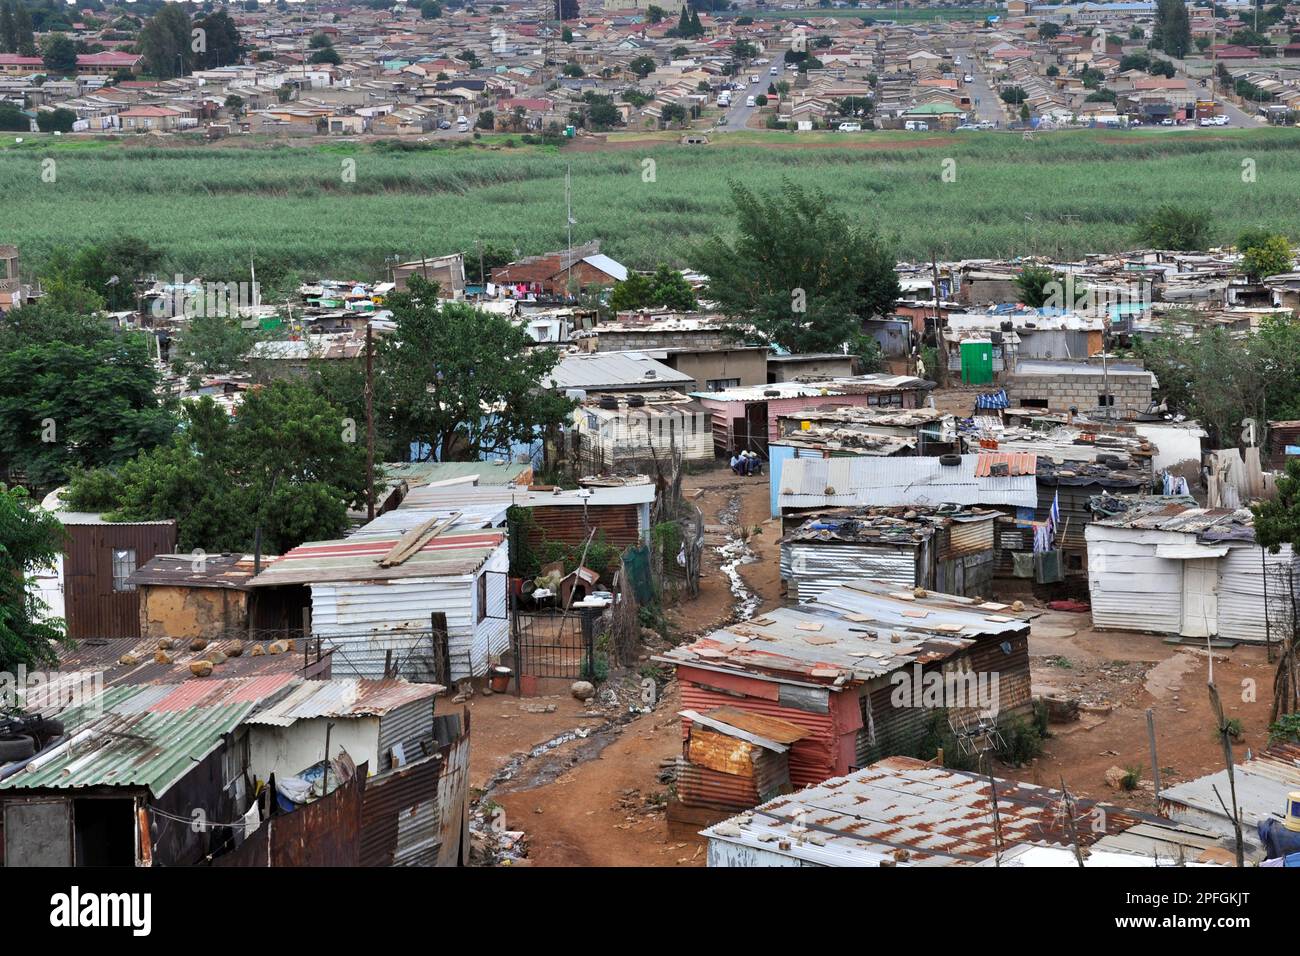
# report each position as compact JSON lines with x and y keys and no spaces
{"x":444,"y":124}
{"x":850,"y":127}
{"x":918,"y":125}
{"x":968,"y":126}
{"x":753,"y":78}
{"x":774,"y":71}
{"x":968,"y":78}
{"x":749,"y":101}
{"x":1167,"y":121}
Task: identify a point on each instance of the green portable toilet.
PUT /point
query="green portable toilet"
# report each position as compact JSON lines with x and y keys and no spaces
{"x":976,"y":362}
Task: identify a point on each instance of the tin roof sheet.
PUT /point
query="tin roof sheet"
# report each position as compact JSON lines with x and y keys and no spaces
{"x":357,"y":559}
{"x":940,"y":817}
{"x":352,"y":697}
{"x":840,"y":482}
{"x":152,"y":750}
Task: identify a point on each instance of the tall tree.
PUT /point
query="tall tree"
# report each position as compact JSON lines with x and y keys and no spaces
{"x":165,"y":42}
{"x":222,"y":44}
{"x":799,"y":274}
{"x":8,"y":28}
{"x":23,"y":28}
{"x":30,"y":539}
{"x":463,"y":382}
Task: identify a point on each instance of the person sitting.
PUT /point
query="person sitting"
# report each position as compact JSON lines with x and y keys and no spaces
{"x":738,"y":463}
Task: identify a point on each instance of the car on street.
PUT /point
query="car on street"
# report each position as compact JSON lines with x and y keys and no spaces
{"x":850,"y":127}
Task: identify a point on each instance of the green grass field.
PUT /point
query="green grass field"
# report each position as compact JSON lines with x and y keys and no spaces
{"x":211,"y":207}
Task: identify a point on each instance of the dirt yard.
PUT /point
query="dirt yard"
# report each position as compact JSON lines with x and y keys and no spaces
{"x":563,"y":783}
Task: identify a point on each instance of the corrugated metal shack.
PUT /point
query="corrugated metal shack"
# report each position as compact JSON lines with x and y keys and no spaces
{"x":98,"y":597}
{"x":1263,"y":782}
{"x":639,"y":432}
{"x":817,"y":484}
{"x":732,"y":759}
{"x":131,"y":764}
{"x":904,"y":812}
{"x":746,"y":418}
{"x":374,"y":599}
{"x":839,"y":667}
{"x":1180,"y":569}
{"x":949,"y":550}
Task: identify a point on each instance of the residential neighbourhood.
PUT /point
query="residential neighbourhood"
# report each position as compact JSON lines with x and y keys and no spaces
{"x":676,"y":435}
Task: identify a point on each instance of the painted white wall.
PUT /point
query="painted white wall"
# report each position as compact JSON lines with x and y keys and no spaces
{"x":287,"y":751}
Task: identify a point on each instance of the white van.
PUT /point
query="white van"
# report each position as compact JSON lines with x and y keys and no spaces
{"x":918,"y":126}
{"x":749,"y":101}
{"x":774,"y":71}
{"x":462,"y":124}
{"x":850,"y":127}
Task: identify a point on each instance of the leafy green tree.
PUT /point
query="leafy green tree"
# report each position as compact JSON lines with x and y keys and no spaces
{"x":1036,"y":284}
{"x":655,"y":14}
{"x":461,"y":381}
{"x":212,"y":345}
{"x":13,"y":119}
{"x":799,"y":274}
{"x":1049,"y":30}
{"x":430,"y":10}
{"x":59,"y":120}
{"x":287,"y":464}
{"x":30,"y":539}
{"x":1173,"y":227}
{"x":486,"y":120}
{"x":1172,"y":32}
{"x":26,"y":36}
{"x":165,"y":42}
{"x":1268,"y":257}
{"x":674,"y":113}
{"x":59,"y":54}
{"x":326,"y":55}
{"x":8,"y":28}
{"x":110,"y":269}
{"x":642,"y":66}
{"x":666,"y":288}
{"x":86,"y":399}
{"x":222,"y":43}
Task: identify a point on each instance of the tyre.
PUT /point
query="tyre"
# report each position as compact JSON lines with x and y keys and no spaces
{"x":16,"y":748}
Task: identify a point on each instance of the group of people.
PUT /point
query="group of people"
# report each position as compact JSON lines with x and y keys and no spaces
{"x":746,"y":463}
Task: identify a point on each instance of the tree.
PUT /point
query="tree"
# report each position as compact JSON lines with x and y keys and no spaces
{"x":655,"y":14}
{"x":642,"y":66}
{"x":1172,"y":32}
{"x":13,"y":119}
{"x":165,"y":42}
{"x":222,"y":44}
{"x":430,"y":10}
{"x":1049,"y":31}
{"x":566,"y":9}
{"x":462,"y":382}
{"x":1268,"y":257}
{"x":1176,"y":228}
{"x":799,"y":274}
{"x":1035,"y":285}
{"x":288,"y":464}
{"x":110,"y":269}
{"x":326,"y":55}
{"x":212,"y":344}
{"x":77,"y":395}
{"x":573,"y":70}
{"x":1277,"y":522}
{"x":1013,"y":95}
{"x":59,"y":54}
{"x":566,"y":35}
{"x":26,"y":36}
{"x":486,"y":120}
{"x":30,"y":539}
{"x":666,"y":288}
{"x":8,"y":28}
{"x":59,"y":120}
{"x":673,"y":113}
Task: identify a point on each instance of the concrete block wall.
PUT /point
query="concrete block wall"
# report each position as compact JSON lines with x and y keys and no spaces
{"x":1081,"y":391}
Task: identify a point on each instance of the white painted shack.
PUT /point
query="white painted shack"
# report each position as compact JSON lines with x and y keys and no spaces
{"x":385,"y":600}
{"x":1195,"y":572}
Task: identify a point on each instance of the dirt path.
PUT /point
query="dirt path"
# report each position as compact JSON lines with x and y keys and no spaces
{"x":583,"y":783}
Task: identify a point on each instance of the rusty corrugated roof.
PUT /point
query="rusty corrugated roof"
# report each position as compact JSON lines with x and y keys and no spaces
{"x":1018,"y":463}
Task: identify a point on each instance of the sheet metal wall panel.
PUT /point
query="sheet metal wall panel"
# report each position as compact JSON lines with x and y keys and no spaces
{"x":815,"y":567}
{"x":1242,"y":583}
{"x":619,"y":523}
{"x":1128,"y":586}
{"x":92,"y":607}
{"x":406,"y":725}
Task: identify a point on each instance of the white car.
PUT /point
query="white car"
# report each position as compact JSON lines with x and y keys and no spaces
{"x":850,"y":127}
{"x":968,"y":126}
{"x":968,"y":78}
{"x":774,"y":71}
{"x":753,"y":78}
{"x":749,"y":101}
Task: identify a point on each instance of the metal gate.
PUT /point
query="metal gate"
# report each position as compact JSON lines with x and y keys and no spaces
{"x":555,"y":644}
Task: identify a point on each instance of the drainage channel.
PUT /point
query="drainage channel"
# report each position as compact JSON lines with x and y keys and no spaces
{"x":735,"y":553}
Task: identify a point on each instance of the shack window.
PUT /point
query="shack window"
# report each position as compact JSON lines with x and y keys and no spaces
{"x":722,"y":384}
{"x":482,"y":598}
{"x":123,"y":568}
{"x":1105,"y":401}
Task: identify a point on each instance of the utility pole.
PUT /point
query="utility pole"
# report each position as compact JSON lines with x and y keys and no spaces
{"x":568,"y":203}
{"x":370,"y":423}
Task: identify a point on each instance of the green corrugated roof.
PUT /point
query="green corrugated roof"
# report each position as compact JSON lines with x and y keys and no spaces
{"x":153,"y":750}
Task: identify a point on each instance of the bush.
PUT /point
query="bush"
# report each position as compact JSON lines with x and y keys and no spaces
{"x":1021,"y":742}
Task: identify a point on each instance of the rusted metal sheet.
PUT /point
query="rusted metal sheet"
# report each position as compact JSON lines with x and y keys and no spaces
{"x":782,"y":731}
{"x":416,"y":815}
{"x":324,"y":833}
{"x":719,"y":752}
{"x":1018,"y":463}
{"x":967,"y":537}
{"x":93,"y":607}
{"x":812,"y":759}
{"x":618,"y":523}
